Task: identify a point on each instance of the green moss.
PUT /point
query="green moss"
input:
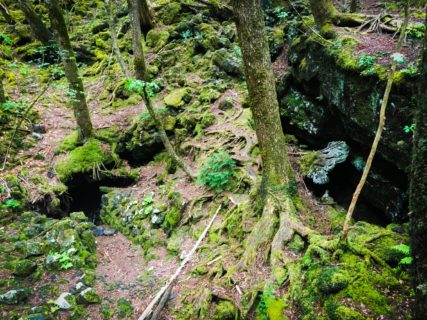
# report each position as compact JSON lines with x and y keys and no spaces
{"x":209,"y":94}
{"x":307,"y":161}
{"x":85,"y":159}
{"x":124,"y":308}
{"x":177,"y":98}
{"x":69,"y":143}
{"x":157,"y":38}
{"x":225,"y":310}
{"x":275,"y":309}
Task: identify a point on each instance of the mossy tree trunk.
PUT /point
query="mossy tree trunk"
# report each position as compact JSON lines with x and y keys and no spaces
{"x":326,"y":16}
{"x":262,"y":92}
{"x":76,"y":89}
{"x":145,"y":16}
{"x":113,"y":35}
{"x":2,"y":94}
{"x":418,"y":195}
{"x":141,"y":74}
{"x":278,"y":176}
{"x":38,"y":28}
{"x":5,"y":13}
{"x":138,"y":53}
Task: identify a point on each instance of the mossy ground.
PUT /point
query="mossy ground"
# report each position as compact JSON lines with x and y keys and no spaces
{"x":195,"y":57}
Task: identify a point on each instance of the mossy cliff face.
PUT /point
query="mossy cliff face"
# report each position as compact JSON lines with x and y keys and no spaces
{"x":330,"y":94}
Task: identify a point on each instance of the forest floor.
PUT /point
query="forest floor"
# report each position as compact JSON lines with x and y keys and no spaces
{"x":122,"y":271}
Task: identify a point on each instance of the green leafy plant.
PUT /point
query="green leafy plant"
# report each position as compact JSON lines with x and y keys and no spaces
{"x":187,"y":34}
{"x":366,"y":61}
{"x":398,"y":57}
{"x":409,"y":128}
{"x":416,"y":30}
{"x":11,"y":204}
{"x":218,"y":172}
{"x":137,"y":86}
{"x":64,"y":260}
{"x":405,"y":251}
{"x":280,"y":13}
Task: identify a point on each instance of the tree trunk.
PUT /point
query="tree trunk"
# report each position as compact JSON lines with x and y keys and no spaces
{"x":145,"y":16}
{"x":138,"y":53}
{"x":76,"y":89}
{"x":262,"y":92}
{"x":5,"y":13}
{"x":326,"y":16}
{"x":323,"y":12}
{"x":275,"y":224}
{"x":2,"y":94}
{"x":140,"y":74}
{"x":418,"y":195}
{"x":113,"y":34}
{"x":38,"y":28}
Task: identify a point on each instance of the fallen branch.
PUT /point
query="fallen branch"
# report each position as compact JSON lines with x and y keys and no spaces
{"x":164,"y":291}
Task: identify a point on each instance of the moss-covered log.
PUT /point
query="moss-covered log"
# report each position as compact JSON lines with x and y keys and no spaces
{"x":418,"y":195}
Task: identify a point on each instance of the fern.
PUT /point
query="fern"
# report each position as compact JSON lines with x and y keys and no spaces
{"x":218,"y":172}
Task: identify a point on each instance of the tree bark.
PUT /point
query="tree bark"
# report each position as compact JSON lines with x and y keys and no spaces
{"x":326,"y":15}
{"x":262,"y":93}
{"x":76,"y":89}
{"x":140,"y":74}
{"x":113,"y":35}
{"x":138,"y":53}
{"x":145,"y":16}
{"x":2,"y":94}
{"x":38,"y":28}
{"x":418,"y":196}
{"x":5,"y":13}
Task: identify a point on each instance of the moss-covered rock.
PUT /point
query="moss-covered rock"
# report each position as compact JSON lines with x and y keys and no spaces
{"x":177,"y":98}
{"x":87,"y":159}
{"x":157,"y":38}
{"x":225,"y":310}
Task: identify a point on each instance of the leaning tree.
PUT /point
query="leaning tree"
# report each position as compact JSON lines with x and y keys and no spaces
{"x":38,"y":28}
{"x":76,"y":88}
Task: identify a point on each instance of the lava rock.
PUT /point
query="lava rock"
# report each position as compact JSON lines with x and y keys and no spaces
{"x":37,"y":136}
{"x":88,"y":296}
{"x":23,"y":268}
{"x":79,"y":287}
{"x":38,"y":128}
{"x":226,"y":104}
{"x":101,"y":231}
{"x":15,"y":296}
{"x":64,"y":302}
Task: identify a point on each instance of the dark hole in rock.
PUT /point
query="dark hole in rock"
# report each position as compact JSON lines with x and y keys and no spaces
{"x":341,"y":188}
{"x":86,"y":196}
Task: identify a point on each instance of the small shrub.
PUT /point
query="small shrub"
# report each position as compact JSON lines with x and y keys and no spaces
{"x":218,"y":172}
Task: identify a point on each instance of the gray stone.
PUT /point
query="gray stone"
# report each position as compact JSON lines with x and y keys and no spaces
{"x":62,"y":302}
{"x":336,"y":152}
{"x":15,"y":296}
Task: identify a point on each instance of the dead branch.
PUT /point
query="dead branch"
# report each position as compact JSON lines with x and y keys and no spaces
{"x":163,"y":291}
